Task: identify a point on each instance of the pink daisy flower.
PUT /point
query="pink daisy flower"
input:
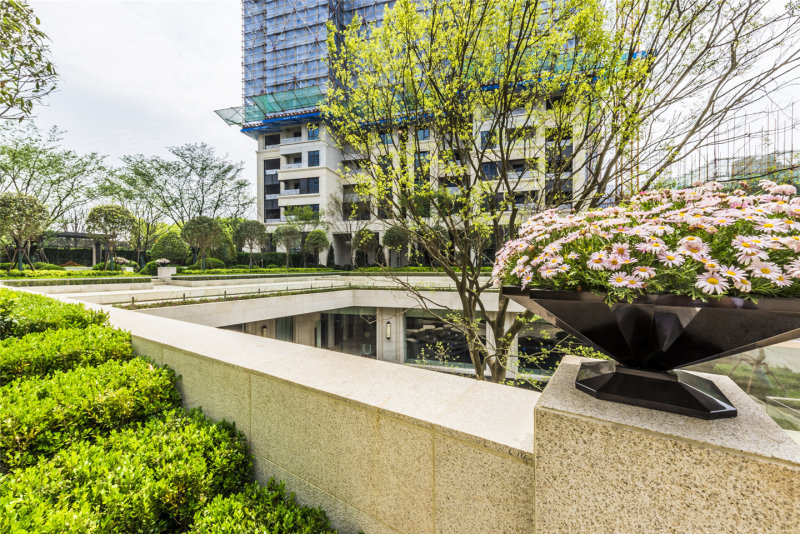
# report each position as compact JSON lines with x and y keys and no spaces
{"x":767,"y":270}
{"x":618,"y":279}
{"x":711,"y":283}
{"x":643,"y":272}
{"x":671,"y":259}
{"x":743,"y":285}
{"x":732,"y":272}
{"x":548,"y":272}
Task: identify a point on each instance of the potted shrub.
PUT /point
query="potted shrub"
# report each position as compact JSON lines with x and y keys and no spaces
{"x":669,"y":279}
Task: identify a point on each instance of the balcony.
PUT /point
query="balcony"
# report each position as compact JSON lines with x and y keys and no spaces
{"x":289,"y":166}
{"x":273,"y":196}
{"x":291,"y":140}
{"x":289,"y":192}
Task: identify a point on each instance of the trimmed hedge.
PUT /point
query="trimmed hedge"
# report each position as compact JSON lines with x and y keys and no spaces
{"x":258,"y":509}
{"x":255,"y":270}
{"x":81,"y":273}
{"x":211,"y":263}
{"x":128,"y":278}
{"x":149,"y":477}
{"x":41,"y":353}
{"x":40,"y":417}
{"x":22,"y":313}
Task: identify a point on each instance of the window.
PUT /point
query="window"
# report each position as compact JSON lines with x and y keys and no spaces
{"x":313,"y":158}
{"x":313,"y":132}
{"x":271,"y":140}
{"x":309,"y":186}
{"x":488,"y":139}
{"x":489,"y":170}
{"x":386,"y":138}
{"x":271,"y":210}
{"x":424,"y":134}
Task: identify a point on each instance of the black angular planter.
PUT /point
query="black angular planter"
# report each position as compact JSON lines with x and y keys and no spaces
{"x":653,"y":336}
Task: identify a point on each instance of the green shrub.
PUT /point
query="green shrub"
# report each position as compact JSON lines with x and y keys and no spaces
{"x":22,"y":313}
{"x":40,"y":417}
{"x":128,"y":278}
{"x":117,"y":267}
{"x":258,"y":509}
{"x":171,"y":247}
{"x":42,"y":266}
{"x":149,"y":477}
{"x":40,"y":353}
{"x":211,"y":263}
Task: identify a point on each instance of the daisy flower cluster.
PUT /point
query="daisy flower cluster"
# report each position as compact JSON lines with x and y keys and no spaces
{"x":701,"y":242}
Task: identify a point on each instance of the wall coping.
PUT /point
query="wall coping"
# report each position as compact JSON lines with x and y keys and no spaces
{"x":491,"y":415}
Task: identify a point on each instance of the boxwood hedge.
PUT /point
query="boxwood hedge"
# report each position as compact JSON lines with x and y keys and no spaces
{"x":40,"y":353}
{"x":22,"y":313}
{"x":149,"y":477}
{"x":257,"y":509}
{"x":40,"y":417}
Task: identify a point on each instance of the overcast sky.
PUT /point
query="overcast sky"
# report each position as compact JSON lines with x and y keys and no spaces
{"x":138,"y":76}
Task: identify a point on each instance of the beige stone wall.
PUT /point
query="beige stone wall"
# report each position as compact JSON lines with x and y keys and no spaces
{"x":608,"y":467}
{"x":381,"y":447}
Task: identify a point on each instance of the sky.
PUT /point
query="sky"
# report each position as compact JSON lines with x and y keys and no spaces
{"x":138,"y":76}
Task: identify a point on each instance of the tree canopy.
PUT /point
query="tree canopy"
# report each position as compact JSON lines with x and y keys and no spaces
{"x":110,"y":223}
{"x":23,"y":218}
{"x":194,"y":182}
{"x":250,"y":234}
{"x":201,"y":233}
{"x":26,"y":73}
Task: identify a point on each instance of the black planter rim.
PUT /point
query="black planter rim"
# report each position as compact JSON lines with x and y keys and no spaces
{"x":776,"y":304}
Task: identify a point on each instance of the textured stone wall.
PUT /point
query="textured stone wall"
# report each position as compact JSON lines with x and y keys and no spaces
{"x":607,"y":467}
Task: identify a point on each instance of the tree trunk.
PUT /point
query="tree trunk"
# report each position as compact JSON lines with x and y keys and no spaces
{"x":251,"y":260}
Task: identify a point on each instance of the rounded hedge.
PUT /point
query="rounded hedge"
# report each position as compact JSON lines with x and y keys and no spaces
{"x":39,"y":354}
{"x":256,"y":509}
{"x":40,"y":417}
{"x":149,"y":477}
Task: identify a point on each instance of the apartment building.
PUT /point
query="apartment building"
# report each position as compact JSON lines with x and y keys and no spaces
{"x":285,"y":78}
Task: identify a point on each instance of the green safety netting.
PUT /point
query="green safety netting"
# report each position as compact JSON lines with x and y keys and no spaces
{"x":257,"y":107}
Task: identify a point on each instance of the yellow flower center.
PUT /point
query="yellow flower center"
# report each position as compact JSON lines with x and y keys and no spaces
{"x":765,"y":270}
{"x":713,"y":281}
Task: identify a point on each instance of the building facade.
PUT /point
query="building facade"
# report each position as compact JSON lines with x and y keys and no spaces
{"x":299,"y":164}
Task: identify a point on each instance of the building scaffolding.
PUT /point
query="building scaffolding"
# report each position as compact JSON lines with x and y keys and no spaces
{"x":284,"y":50}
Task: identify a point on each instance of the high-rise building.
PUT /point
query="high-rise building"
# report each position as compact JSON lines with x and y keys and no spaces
{"x":284,"y":80}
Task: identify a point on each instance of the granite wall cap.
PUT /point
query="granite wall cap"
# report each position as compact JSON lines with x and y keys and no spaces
{"x":752,"y":431}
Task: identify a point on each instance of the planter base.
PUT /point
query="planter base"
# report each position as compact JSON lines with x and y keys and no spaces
{"x":671,"y":391}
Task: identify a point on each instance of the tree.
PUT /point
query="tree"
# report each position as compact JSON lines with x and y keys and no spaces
{"x":35,"y":163}
{"x":109,"y":223}
{"x":170,"y":246}
{"x":194,"y":182}
{"x":450,"y":72}
{"x":250,"y":234}
{"x":202,"y":232}
{"x":26,"y":73}
{"x":132,"y":187}
{"x":23,"y":218}
{"x":288,"y":236}
{"x":346,"y":218}
{"x":365,"y":242}
{"x":305,"y":219}
{"x":316,"y":242}
{"x":394,"y":239}
{"x":570,"y":102}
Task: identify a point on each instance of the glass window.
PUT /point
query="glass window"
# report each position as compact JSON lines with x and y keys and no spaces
{"x":313,"y":132}
{"x":488,"y":139}
{"x":489,"y":169}
{"x":350,"y":330}
{"x":284,"y":328}
{"x":432,"y":341}
{"x":424,"y":134}
{"x":313,"y":158}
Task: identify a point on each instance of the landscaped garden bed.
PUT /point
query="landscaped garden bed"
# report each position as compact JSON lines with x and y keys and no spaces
{"x":92,"y":438}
